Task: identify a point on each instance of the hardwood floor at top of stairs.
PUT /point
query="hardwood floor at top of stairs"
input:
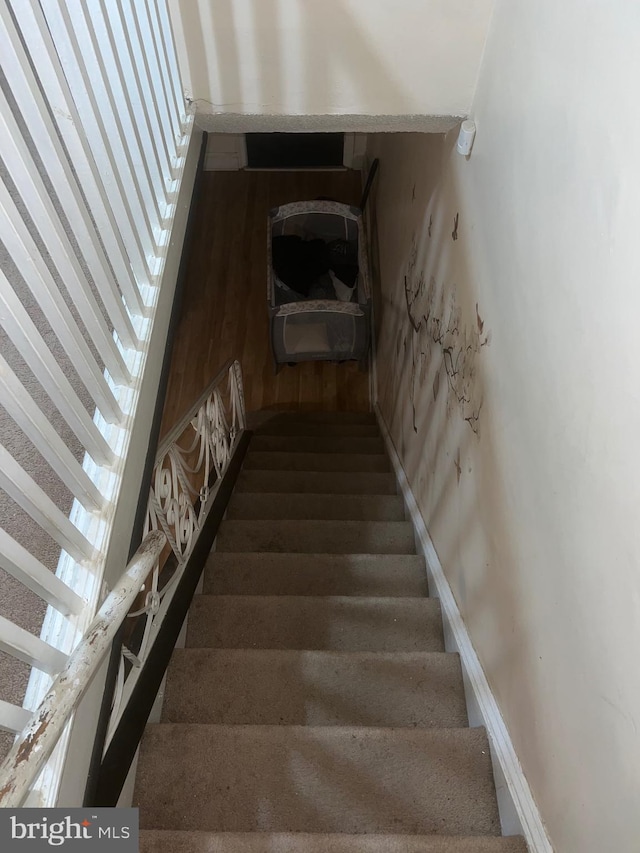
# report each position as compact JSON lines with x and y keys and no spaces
{"x":224,"y":304}
{"x":314,"y":708}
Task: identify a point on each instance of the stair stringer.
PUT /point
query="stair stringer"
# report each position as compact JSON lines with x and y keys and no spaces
{"x":519,"y":814}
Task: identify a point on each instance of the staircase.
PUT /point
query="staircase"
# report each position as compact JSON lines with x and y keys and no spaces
{"x":314,"y":707}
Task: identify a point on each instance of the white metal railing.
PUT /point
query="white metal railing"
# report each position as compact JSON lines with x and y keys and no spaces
{"x":190,"y":465}
{"x":45,"y":727}
{"x":93,"y":138}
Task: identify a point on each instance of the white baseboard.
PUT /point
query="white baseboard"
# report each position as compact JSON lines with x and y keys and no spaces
{"x":519,"y":814}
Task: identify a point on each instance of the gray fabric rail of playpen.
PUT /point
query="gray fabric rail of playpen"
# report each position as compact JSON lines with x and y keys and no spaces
{"x":318,"y":288}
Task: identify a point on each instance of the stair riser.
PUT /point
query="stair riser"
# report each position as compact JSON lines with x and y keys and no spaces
{"x":310,"y":429}
{"x":332,"y":624}
{"x":340,"y":462}
{"x":315,"y":574}
{"x":184,"y":842}
{"x":278,"y":778}
{"x":317,"y":537}
{"x":314,"y":689}
{"x":316,"y":444}
{"x":316,"y":482}
{"x":301,"y":506}
{"x":340,"y":418}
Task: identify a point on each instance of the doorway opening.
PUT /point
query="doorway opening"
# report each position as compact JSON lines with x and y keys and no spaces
{"x":295,"y":150}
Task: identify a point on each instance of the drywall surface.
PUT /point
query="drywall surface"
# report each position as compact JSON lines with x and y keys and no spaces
{"x":284,"y":60}
{"x":507,"y":368}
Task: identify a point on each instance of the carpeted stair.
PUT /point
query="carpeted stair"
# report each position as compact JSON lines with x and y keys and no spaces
{"x":314,"y":709}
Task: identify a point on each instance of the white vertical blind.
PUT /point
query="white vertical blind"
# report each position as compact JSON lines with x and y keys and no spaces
{"x":26,"y":337}
{"x":95,"y":107}
{"x":30,"y":418}
{"x":92,"y":129}
{"x":52,"y":234}
{"x":22,"y":82}
{"x":22,"y":565}
{"x":137,"y":19}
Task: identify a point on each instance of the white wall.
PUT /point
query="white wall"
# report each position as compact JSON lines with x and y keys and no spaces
{"x":342,"y":58}
{"x":524,"y":373}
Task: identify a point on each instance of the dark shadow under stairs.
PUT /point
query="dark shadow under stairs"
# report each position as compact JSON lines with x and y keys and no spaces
{"x":314,"y":707}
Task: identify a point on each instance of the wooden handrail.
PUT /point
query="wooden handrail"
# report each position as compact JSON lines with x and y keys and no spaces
{"x":39,"y":737}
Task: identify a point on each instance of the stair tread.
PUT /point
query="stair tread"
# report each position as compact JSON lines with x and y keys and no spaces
{"x":301,"y":505}
{"x":316,"y":779}
{"x":314,"y":707}
{"x":275,"y":460}
{"x":317,"y":688}
{"x":317,"y":536}
{"x":346,"y":623}
{"x":273,"y":573}
{"x":334,"y":482}
{"x":167,"y":841}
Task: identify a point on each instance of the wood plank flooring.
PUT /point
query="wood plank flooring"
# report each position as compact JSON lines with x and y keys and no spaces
{"x":224,"y":310}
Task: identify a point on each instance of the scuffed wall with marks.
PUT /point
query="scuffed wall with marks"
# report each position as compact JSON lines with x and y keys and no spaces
{"x":438,"y":333}
{"x":508,"y":360}
{"x":432,"y":334}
